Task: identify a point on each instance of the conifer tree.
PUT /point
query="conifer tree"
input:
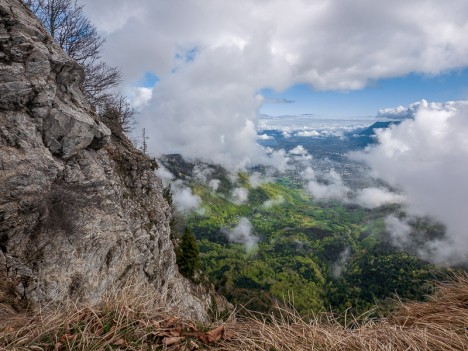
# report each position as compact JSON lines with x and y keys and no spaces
{"x":188,"y":254}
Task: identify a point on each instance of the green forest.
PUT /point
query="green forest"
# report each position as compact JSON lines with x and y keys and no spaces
{"x":312,"y":256}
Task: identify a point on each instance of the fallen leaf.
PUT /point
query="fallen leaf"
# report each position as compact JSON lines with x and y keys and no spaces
{"x":215,"y":334}
{"x":202,"y":337}
{"x":175,"y":332}
{"x":165,"y":332}
{"x":171,"y":341}
{"x":170,"y":321}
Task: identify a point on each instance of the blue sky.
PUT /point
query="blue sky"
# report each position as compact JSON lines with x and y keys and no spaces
{"x":385,"y":93}
{"x":149,"y":80}
{"x":213,"y":58}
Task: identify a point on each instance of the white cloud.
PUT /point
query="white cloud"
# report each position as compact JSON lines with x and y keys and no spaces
{"x":299,"y":153}
{"x":140,"y":97}
{"x":410,"y":111}
{"x":212,"y":57}
{"x":308,"y":133}
{"x":242,"y":234}
{"x":308,"y":173}
{"x":256,"y":179}
{"x":334,"y":189}
{"x":202,"y":173}
{"x":273,"y":202}
{"x":239,"y":196}
{"x":233,"y":177}
{"x":214,"y":184}
{"x":376,"y":197}
{"x":298,"y":150}
{"x":278,"y":101}
{"x":338,"y":267}
{"x":279,"y":160}
{"x":165,"y":176}
{"x":310,"y":125}
{"x":264,"y":137}
{"x":427,"y":157}
{"x":399,"y":230}
{"x":182,"y":197}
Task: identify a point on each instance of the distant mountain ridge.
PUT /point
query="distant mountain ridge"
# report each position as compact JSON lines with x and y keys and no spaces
{"x":370,"y":131}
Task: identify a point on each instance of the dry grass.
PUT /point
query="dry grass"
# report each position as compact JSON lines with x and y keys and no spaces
{"x":441,"y":323}
{"x":126,"y":323}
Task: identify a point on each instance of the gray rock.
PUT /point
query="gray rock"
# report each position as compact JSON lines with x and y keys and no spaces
{"x":81,"y":214}
{"x":40,"y":78}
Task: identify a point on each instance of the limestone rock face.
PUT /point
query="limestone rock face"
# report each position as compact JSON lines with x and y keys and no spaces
{"x":38,"y":78}
{"x":81,"y":211}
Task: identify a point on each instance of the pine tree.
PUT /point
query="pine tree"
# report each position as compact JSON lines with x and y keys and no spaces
{"x":188,"y":254}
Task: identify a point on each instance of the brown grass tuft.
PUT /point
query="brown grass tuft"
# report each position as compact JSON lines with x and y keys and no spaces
{"x":127,"y":322}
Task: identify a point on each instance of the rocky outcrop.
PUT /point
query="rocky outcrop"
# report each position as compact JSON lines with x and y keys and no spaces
{"x":81,"y":211}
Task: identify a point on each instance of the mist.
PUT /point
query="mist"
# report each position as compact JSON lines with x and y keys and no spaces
{"x":183,"y":198}
{"x":242,"y":233}
{"x":427,"y":157}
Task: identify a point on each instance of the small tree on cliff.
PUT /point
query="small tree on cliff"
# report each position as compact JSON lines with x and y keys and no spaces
{"x":188,"y":254}
{"x":79,"y":38}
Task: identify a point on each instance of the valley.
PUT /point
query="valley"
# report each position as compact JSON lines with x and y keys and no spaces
{"x":265,"y":241}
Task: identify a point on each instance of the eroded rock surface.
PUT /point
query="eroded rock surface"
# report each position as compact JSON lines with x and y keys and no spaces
{"x":81,"y":211}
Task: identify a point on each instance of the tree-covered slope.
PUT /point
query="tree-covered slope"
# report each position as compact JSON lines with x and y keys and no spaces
{"x":280,"y":246}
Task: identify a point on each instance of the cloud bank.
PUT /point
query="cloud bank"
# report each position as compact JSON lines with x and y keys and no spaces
{"x":427,"y":157}
{"x":376,"y":197}
{"x":242,"y":234}
{"x":410,"y":111}
{"x":213,"y":57}
{"x":182,"y":197}
{"x":239,"y":195}
{"x":332,"y":187}
{"x":256,"y":179}
{"x":313,"y":126}
{"x":278,"y":200}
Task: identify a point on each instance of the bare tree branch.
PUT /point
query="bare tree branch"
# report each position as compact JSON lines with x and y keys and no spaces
{"x":118,"y":113}
{"x":100,"y":79}
{"x":79,"y":38}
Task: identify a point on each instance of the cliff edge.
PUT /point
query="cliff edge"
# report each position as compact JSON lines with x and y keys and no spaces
{"x":81,"y":211}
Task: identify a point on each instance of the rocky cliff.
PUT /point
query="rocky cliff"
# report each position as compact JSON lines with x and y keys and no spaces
{"x":81,"y":211}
